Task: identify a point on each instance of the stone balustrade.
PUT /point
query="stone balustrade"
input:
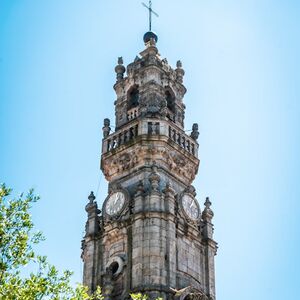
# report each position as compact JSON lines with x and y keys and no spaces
{"x":120,"y":137}
{"x":182,"y":140}
{"x":150,"y":127}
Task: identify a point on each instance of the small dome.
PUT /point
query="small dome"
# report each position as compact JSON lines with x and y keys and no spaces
{"x":150,"y":35}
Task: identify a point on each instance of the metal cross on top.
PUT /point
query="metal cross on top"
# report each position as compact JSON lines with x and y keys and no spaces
{"x":151,"y":11}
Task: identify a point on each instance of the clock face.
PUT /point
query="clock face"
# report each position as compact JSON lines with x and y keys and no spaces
{"x":190,"y":206}
{"x":115,"y":203}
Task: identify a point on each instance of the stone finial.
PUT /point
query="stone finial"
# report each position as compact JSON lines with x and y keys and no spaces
{"x":195,"y":132}
{"x":92,"y":227}
{"x":91,"y":197}
{"x":154,"y":179}
{"x":92,"y":207}
{"x":179,"y":71}
{"x":207,"y":214}
{"x":120,"y":60}
{"x":120,"y":69}
{"x":179,"y":64}
{"x":106,"y":128}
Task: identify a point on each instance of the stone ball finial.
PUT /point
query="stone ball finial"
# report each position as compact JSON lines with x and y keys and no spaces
{"x":148,"y":36}
{"x":120,"y":69}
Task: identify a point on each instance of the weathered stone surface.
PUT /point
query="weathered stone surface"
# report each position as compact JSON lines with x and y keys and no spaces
{"x":150,"y":244}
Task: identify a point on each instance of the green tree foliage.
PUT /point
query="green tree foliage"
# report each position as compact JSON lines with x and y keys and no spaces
{"x":17,"y":241}
{"x":138,"y":296}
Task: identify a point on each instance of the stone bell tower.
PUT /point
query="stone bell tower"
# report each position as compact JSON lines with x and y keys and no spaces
{"x":151,"y":236}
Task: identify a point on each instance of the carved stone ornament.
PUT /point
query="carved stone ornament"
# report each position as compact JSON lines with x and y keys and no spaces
{"x":190,"y":293}
{"x":174,"y":161}
{"x":115,"y":266}
{"x":153,"y":102}
{"x":179,"y":164}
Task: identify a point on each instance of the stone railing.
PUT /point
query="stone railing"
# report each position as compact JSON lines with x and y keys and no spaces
{"x":120,"y":137}
{"x":181,"y":139}
{"x":150,"y":127}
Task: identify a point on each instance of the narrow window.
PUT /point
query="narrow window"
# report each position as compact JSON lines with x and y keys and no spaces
{"x":133,"y":98}
{"x":170,"y":101}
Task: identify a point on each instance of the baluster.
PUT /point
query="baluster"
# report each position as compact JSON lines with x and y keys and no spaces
{"x":170,"y":132}
{"x":120,"y":139}
{"x":179,"y":139}
{"x":125,"y":136}
{"x":193,"y":149}
{"x":183,"y":142}
{"x":188,"y":146}
{"x":149,"y":127}
{"x":131,"y":134}
{"x":174,"y":135}
{"x":108,"y":145}
{"x":113,"y":143}
{"x":157,"y":128}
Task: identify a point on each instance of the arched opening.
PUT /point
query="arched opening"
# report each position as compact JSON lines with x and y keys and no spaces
{"x":133,"y":97}
{"x":170,"y":101}
{"x":114,"y":267}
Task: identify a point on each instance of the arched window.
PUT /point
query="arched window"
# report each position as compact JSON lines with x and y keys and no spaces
{"x":133,"y":97}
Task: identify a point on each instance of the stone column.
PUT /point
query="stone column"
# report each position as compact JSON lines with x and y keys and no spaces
{"x":171,"y":236}
{"x":90,"y":245}
{"x":210,"y":249}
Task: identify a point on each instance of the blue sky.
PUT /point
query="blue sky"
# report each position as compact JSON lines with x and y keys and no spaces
{"x":242,"y":65}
